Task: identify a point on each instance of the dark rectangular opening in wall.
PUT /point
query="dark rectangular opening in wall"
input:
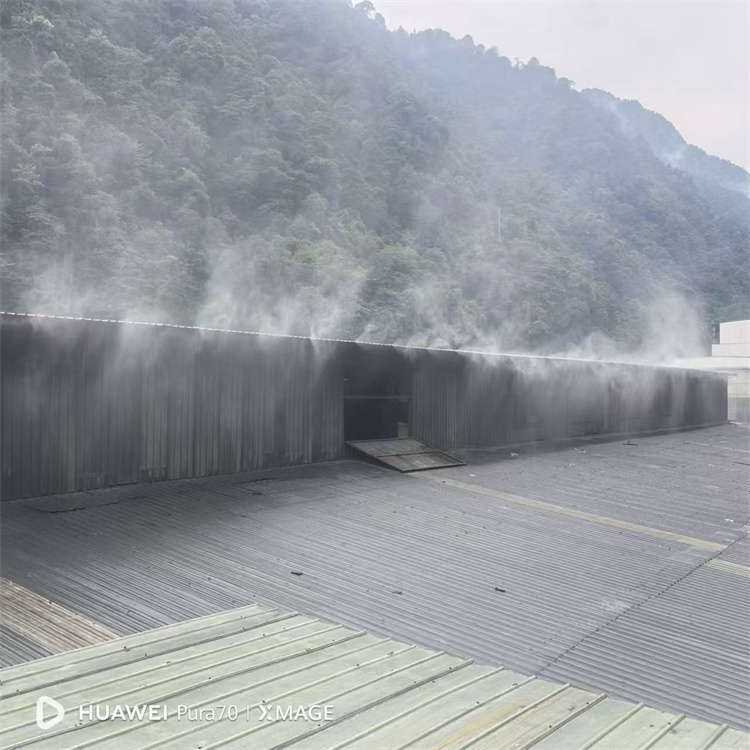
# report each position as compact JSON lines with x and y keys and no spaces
{"x":377,"y":394}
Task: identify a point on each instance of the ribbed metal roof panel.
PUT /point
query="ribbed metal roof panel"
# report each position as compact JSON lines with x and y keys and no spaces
{"x":693,"y":482}
{"x":738,"y":553}
{"x":17,"y":649}
{"x":424,"y":562}
{"x":379,"y":693}
{"x":669,"y":646}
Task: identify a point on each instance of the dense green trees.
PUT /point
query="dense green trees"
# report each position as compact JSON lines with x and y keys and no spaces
{"x":293,"y":166}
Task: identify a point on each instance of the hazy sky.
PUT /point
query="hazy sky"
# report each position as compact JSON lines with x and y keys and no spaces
{"x":686,"y":59}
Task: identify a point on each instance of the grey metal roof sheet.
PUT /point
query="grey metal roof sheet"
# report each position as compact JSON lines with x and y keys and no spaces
{"x":442,"y":566}
{"x":738,"y":553}
{"x":31,"y":619}
{"x":693,"y":482}
{"x":16,"y":648}
{"x":380,"y":693}
{"x":669,"y":644}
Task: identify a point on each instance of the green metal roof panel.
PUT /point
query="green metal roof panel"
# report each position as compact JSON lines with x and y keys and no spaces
{"x":273,"y":667}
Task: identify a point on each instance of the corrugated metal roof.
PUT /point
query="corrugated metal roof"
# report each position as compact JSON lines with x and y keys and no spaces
{"x":405,"y":454}
{"x":16,"y":648}
{"x":692,"y":482}
{"x":264,"y":663}
{"x":32,"y":618}
{"x":739,"y":552}
{"x":669,"y":645}
{"x":446,"y":567}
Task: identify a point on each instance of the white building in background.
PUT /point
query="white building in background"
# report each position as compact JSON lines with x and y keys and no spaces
{"x":734,"y":341}
{"x":730,"y":354}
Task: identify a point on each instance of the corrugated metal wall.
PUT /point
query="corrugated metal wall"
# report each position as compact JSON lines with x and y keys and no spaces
{"x":479,"y":401}
{"x":90,"y":404}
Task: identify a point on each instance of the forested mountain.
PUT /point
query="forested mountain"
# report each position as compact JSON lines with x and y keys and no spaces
{"x":293,"y":166}
{"x":710,"y":172}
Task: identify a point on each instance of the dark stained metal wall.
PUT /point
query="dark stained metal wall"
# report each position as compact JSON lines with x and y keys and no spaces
{"x":464,"y":401}
{"x":87,"y":405}
{"x":91,"y":404}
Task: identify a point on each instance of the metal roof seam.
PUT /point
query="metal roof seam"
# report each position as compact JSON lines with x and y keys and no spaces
{"x":714,"y":738}
{"x":566,"y":720}
{"x":133,"y":726}
{"x":463,"y":713}
{"x":611,"y":727}
{"x":668,"y":728}
{"x":430,"y":678}
{"x":328,"y":699}
{"x":524,"y":710}
{"x":171,"y":663}
{"x":420,"y":706}
{"x":386,"y":694}
{"x":638,"y":605}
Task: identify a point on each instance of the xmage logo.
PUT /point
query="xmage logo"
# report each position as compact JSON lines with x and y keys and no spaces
{"x":313,"y":712}
{"x":46,"y":702}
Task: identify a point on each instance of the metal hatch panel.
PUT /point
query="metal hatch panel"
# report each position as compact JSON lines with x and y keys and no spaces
{"x":404,"y":454}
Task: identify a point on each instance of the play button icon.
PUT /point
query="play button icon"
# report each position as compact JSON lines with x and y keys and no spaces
{"x":48,"y":703}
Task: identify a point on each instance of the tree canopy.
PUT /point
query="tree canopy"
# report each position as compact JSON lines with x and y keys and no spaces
{"x":293,"y":166}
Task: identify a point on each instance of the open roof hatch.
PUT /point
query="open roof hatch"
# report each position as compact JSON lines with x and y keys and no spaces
{"x":404,"y":454}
